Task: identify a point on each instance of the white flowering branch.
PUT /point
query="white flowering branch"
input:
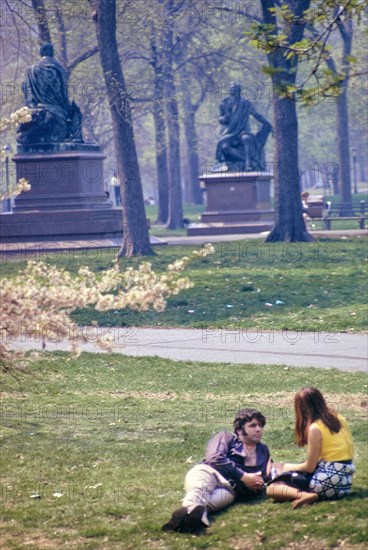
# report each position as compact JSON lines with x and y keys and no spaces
{"x":39,"y":301}
{"x":19,"y":116}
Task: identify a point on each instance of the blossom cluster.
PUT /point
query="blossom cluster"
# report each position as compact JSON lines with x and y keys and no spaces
{"x":20,"y":186}
{"x":21,"y":115}
{"x":45,"y":296}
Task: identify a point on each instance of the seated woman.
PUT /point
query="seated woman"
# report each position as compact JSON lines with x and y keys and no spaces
{"x":304,"y":198}
{"x":328,"y":466}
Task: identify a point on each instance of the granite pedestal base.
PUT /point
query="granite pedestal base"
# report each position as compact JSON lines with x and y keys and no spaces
{"x":61,"y":225}
{"x":66,"y":200}
{"x":236,"y":203}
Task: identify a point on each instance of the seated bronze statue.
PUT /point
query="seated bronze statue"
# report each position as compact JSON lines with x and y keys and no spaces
{"x":45,"y":89}
{"x":237,"y":146}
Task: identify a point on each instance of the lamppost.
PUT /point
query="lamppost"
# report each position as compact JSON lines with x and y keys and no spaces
{"x":7,"y":201}
{"x":354,"y":153}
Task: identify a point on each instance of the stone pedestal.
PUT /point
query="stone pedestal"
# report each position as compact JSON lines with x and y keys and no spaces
{"x":66,"y":201}
{"x":237,"y":202}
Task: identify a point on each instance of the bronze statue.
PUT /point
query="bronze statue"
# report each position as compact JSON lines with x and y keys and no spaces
{"x":237,"y":146}
{"x":45,"y":89}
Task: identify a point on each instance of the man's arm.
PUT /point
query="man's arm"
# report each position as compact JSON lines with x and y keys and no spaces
{"x":224,"y":117}
{"x":218,"y":456}
{"x":259,"y":117}
{"x":27,"y":91}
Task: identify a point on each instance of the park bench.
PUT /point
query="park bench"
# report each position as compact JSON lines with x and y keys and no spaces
{"x":316,"y":206}
{"x":328,"y":213}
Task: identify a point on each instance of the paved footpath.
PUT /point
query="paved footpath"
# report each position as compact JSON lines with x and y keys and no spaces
{"x":347,"y":352}
{"x":45,"y":247}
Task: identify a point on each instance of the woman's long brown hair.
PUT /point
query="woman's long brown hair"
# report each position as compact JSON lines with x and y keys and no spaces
{"x":310,"y":405}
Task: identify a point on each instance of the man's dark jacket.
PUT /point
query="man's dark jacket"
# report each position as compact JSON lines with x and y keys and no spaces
{"x":226,"y":454}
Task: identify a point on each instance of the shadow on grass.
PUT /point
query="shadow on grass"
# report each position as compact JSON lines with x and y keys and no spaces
{"x":239,"y":502}
{"x":357,"y":494}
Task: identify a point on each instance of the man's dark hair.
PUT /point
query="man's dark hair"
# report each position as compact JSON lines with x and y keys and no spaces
{"x":47,"y":50}
{"x":246,"y":415}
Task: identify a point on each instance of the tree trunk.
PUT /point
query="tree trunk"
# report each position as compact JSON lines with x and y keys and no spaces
{"x":289,"y":221}
{"x":194,"y":190}
{"x":172,"y":113}
{"x":175,"y":195}
{"x":161,"y":163}
{"x":346,"y":32}
{"x":344,"y":152}
{"x":193,"y":195}
{"x":342,"y":118}
{"x":60,"y":25}
{"x":362,"y":167}
{"x":42,"y":21}
{"x":135,"y":239}
{"x":335,"y":184}
{"x":160,"y":136}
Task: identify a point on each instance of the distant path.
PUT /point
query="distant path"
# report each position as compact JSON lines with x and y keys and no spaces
{"x":43,"y":248}
{"x":346,"y":352}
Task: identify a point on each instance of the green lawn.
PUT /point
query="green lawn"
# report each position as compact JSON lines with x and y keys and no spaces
{"x":191,"y":212}
{"x":336,"y":225}
{"x":322,"y":286}
{"x":95,"y":449}
{"x":355,"y":198}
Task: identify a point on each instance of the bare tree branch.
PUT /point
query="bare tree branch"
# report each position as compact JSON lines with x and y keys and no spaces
{"x":14,"y":13}
{"x":239,"y":12}
{"x":81,"y":58}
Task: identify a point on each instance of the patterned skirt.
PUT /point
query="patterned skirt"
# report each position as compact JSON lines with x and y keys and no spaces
{"x":332,"y":480}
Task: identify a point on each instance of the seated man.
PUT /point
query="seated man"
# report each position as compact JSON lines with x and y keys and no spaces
{"x":236,"y":466}
{"x":54,"y":118}
{"x":237,"y":146}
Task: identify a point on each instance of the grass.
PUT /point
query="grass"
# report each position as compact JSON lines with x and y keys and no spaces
{"x":190,"y":211}
{"x":355,"y":198}
{"x":95,"y":449}
{"x":322,"y":286}
{"x":336,"y":225}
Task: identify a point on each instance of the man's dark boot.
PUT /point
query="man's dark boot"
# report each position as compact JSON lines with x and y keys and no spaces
{"x":192,"y":522}
{"x":176,"y":519}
